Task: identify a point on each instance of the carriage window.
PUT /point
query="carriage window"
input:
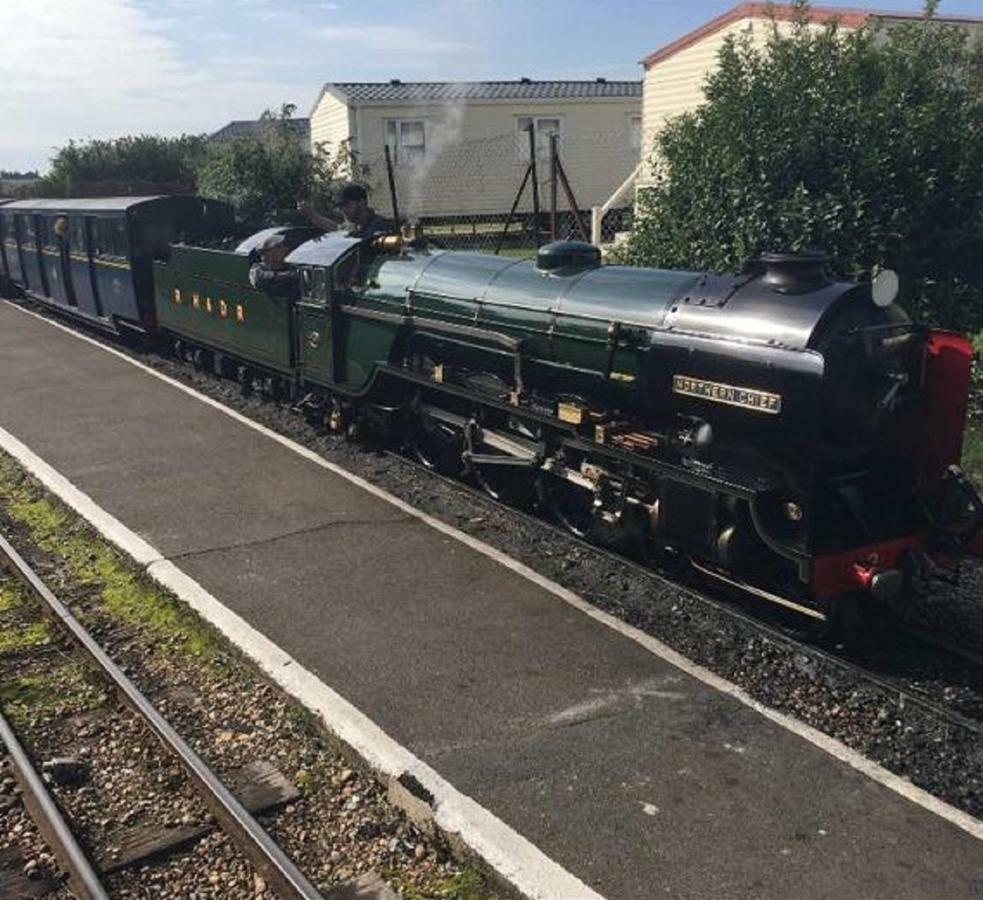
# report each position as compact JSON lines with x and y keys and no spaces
{"x":111,"y":238}
{"x":103,"y":234}
{"x":49,"y":235}
{"x":77,"y":238}
{"x":46,"y":237}
{"x":121,"y":239}
{"x":26,"y":230}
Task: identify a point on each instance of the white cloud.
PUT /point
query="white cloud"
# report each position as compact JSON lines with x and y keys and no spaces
{"x":390,"y":38}
{"x":101,"y":68}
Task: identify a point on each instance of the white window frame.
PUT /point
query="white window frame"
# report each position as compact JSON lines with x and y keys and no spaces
{"x":542,"y":146}
{"x":635,"y":137}
{"x":393,"y":134}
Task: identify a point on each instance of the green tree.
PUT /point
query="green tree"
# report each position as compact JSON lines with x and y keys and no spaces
{"x":867,"y":144}
{"x":264,"y":174}
{"x":140,"y":160}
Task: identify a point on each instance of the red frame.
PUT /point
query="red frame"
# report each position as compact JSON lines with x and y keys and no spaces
{"x":936,"y":442}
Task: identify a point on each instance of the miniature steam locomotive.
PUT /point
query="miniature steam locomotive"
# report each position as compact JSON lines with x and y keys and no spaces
{"x":785,"y":432}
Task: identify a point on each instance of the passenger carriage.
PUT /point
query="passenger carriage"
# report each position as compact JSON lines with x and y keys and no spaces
{"x":93,"y":258}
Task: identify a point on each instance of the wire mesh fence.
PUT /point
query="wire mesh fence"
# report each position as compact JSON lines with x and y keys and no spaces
{"x":484,"y":194}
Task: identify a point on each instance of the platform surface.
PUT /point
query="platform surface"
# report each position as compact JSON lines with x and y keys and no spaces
{"x":634,"y":776}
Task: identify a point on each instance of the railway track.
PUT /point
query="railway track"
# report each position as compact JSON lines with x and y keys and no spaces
{"x":783,"y":625}
{"x":244,"y":831}
{"x":788,"y":624}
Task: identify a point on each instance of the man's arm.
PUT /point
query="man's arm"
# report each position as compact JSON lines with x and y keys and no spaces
{"x":306,"y":209}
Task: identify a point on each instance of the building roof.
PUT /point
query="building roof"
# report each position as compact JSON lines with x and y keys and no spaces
{"x":848,"y":18}
{"x":246,"y":127}
{"x":358,"y":93}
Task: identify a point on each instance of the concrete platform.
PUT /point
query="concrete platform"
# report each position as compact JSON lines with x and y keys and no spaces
{"x":637,"y":778}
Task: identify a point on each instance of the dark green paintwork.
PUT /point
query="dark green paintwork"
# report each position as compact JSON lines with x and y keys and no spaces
{"x":581,"y":331}
{"x":194,"y":287}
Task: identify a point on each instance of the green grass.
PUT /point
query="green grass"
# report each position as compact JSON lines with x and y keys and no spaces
{"x":62,"y":690}
{"x":11,"y":595}
{"x":127,"y":594}
{"x":973,"y":453}
{"x":467,"y":885}
{"x":20,"y":637}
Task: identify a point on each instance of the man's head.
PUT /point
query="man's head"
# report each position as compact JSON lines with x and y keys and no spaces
{"x":353,"y":201}
{"x":273,"y":251}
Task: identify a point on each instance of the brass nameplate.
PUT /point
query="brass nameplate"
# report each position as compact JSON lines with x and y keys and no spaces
{"x":746,"y":398}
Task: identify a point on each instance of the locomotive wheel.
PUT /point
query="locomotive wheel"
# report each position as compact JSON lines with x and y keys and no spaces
{"x":434,"y":444}
{"x":506,"y":484}
{"x":570,"y":506}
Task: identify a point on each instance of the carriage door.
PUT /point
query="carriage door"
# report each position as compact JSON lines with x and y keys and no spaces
{"x":19,"y":232}
{"x":63,"y":240}
{"x":90,"y":252}
{"x":314,"y":326}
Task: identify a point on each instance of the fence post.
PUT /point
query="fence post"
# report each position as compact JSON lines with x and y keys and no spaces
{"x":535,"y":181}
{"x":553,"y":173}
{"x":596,"y":221}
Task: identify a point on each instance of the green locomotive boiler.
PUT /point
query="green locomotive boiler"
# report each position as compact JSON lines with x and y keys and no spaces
{"x":796,"y":435}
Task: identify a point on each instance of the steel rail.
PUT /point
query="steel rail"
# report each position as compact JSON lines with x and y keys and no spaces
{"x":941,"y":643}
{"x":269,"y":859}
{"x":82,"y":877}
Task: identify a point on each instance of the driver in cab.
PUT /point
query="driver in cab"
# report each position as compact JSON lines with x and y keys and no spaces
{"x":353,"y":202}
{"x":272,"y":274}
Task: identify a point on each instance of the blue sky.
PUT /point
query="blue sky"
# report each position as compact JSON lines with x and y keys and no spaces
{"x":102,"y":68}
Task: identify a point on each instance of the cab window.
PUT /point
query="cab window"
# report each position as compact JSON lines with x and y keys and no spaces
{"x":320,"y":285}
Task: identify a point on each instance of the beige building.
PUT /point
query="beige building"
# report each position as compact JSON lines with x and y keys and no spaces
{"x":461,"y":149}
{"x":674,"y":74}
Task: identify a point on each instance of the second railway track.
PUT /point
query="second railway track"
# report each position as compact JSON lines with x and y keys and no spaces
{"x":247,"y":834}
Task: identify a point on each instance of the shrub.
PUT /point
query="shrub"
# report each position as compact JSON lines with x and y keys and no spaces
{"x":867,"y":144}
{"x":264,"y":174}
